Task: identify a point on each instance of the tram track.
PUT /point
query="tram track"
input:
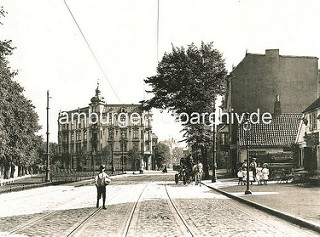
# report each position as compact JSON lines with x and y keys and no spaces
{"x":171,"y":212}
{"x":55,"y":214}
{"x":129,"y":220}
{"x":189,"y":229}
{"x":29,"y":223}
{"x":82,"y":223}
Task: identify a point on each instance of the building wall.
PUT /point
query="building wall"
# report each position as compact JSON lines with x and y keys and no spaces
{"x":259,"y":78}
{"x":92,"y":139}
{"x":312,"y":126}
{"x":243,"y":152}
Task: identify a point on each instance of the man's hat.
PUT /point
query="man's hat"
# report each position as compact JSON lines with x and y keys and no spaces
{"x":102,"y":167}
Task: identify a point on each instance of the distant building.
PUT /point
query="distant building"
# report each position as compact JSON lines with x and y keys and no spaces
{"x":85,"y":145}
{"x":308,"y":137}
{"x":255,"y":82}
{"x":172,"y":144}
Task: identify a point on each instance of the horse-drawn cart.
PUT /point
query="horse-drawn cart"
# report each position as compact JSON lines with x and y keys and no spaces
{"x":188,"y":172}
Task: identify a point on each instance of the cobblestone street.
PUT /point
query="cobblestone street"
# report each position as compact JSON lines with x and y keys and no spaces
{"x":58,"y":210}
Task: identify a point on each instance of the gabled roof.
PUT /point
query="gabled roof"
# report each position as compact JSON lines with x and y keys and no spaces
{"x":314,"y":105}
{"x":282,"y":131}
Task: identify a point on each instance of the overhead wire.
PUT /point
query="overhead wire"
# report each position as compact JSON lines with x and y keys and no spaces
{"x":93,"y":54}
{"x":158,"y":23}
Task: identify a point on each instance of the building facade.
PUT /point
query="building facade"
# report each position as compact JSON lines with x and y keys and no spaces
{"x":117,"y":135}
{"x":255,"y":82}
{"x":308,"y":138}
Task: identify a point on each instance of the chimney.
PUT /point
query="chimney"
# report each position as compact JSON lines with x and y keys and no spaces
{"x":272,"y":52}
{"x":277,"y":106}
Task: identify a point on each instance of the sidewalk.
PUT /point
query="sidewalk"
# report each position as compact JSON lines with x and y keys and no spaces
{"x":286,"y":199}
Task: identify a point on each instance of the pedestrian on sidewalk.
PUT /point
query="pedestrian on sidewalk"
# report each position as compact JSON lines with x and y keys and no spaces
{"x":240,"y":176}
{"x":253,"y":167}
{"x":259,"y":174}
{"x":251,"y":175}
{"x":265,"y":173}
{"x":102,"y":180}
{"x":244,"y":176}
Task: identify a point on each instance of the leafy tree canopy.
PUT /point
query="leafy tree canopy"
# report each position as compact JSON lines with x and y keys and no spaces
{"x":18,"y":119}
{"x":188,"y":80}
{"x":162,"y":154}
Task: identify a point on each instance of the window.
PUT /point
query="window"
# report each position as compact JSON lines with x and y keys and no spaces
{"x":123,"y":120}
{"x":85,"y":135}
{"x":78,"y":148}
{"x":110,"y":133}
{"x":125,"y":147}
{"x":135,"y":133}
{"x":313,"y":121}
{"x":78,"y":136}
{"x":123,"y":133}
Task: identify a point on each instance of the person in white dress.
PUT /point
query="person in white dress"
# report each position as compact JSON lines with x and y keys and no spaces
{"x":244,"y":175}
{"x":259,"y":174}
{"x":240,"y":176}
{"x":265,"y":173}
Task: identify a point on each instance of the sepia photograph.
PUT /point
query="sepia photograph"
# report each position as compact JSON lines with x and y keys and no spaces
{"x":159,"y":118}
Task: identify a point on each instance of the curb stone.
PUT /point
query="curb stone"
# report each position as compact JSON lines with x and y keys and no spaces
{"x":282,"y":215}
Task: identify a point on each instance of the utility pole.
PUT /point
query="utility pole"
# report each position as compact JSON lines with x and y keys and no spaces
{"x":122,"y":160}
{"x":47,"y":154}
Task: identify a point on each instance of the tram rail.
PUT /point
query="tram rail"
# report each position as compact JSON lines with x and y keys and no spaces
{"x":189,"y":229}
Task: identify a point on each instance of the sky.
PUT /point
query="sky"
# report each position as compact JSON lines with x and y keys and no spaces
{"x":51,"y":53}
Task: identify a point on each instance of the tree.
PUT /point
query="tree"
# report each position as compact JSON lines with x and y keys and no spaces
{"x":134,"y":157}
{"x":105,"y":156}
{"x":177,"y":154}
{"x":161,"y":154}
{"x":187,"y":83}
{"x":18,"y":119}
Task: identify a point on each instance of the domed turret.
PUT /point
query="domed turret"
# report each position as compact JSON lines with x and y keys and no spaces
{"x":97,"y":98}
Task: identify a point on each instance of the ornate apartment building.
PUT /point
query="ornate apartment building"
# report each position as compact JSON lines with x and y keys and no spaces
{"x":117,"y":135}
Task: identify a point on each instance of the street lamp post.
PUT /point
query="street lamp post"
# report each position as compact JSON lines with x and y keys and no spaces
{"x":246,"y":128}
{"x":112,"y":164}
{"x":122,"y":158}
{"x":48,"y":154}
{"x":92,"y":161}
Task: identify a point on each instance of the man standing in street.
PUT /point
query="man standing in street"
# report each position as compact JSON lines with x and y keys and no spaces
{"x":102,"y":180}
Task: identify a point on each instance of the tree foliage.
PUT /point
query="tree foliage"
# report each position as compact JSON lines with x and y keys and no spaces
{"x":18,"y":119}
{"x":177,"y":154}
{"x":161,"y":154}
{"x":187,"y":82}
{"x":134,"y":157}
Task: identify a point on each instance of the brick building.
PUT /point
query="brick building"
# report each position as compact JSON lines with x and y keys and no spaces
{"x":85,"y":143}
{"x":256,"y":81}
{"x":258,"y":78}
